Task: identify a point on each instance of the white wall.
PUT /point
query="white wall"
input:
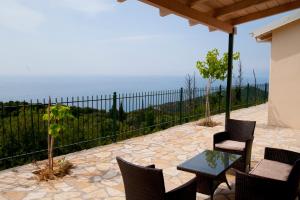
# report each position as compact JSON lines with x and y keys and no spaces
{"x":284,"y":97}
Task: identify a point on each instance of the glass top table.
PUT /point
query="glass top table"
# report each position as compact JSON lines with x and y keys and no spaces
{"x":211,"y":163}
{"x":210,"y":168}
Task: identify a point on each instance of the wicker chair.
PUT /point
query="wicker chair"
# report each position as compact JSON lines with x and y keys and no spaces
{"x":147,"y":183}
{"x":277,"y":176}
{"x":237,"y":138}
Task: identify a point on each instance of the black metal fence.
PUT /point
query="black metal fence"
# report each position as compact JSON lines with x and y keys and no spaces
{"x":106,"y":119}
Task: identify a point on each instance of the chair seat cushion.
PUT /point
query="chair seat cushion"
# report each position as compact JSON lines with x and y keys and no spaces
{"x":272,"y":169}
{"x":231,"y":145}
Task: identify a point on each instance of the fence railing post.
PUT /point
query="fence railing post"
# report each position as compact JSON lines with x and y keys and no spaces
{"x":180,"y":105}
{"x":32,"y":126}
{"x":114,"y":116}
{"x":248,"y":88}
{"x":3,"y":128}
{"x":220,"y":98}
{"x":266,"y":94}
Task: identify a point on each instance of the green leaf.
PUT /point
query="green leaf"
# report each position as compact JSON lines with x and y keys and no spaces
{"x":214,"y":67}
{"x":57,"y":114}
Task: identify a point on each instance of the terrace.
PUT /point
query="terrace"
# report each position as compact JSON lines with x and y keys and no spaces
{"x":97,"y":175}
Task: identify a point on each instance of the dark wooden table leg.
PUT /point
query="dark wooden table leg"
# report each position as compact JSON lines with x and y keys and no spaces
{"x":208,"y":185}
{"x":223,"y":179}
{"x":212,"y":191}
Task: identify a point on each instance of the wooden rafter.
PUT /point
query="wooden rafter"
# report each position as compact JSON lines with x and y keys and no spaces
{"x":190,"y":3}
{"x":193,"y":22}
{"x":190,"y":13}
{"x":164,"y":12}
{"x":265,"y":13}
{"x":188,"y":10}
{"x":236,"y":7}
{"x":265,"y":38}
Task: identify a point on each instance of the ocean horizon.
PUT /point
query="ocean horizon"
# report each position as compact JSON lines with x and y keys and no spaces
{"x":19,"y":88}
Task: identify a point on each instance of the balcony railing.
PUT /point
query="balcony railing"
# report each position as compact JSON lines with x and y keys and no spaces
{"x":105,"y":119}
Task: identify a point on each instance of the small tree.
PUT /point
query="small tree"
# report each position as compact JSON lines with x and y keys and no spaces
{"x":255,"y":91}
{"x":189,"y":88}
{"x":150,"y":117}
{"x":122,"y":113}
{"x":213,"y":68}
{"x":194,"y":91}
{"x":55,"y":115}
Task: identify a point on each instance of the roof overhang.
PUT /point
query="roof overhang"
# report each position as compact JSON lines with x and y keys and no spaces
{"x":222,"y":15}
{"x":264,"y":34}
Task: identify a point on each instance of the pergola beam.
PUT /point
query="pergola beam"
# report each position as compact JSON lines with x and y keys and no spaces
{"x":186,"y":10}
{"x":265,"y":13}
{"x":236,"y":7}
{"x":193,"y":22}
{"x":190,"y":3}
{"x":192,"y":14}
{"x":164,"y":12}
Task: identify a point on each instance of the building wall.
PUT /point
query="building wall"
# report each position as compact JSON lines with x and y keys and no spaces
{"x":284,"y":97}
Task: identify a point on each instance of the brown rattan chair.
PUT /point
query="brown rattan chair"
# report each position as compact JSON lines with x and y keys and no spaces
{"x":237,"y":138}
{"x":277,"y":176}
{"x":147,"y":183}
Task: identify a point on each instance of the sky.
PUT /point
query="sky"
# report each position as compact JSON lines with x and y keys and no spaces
{"x":103,"y":37}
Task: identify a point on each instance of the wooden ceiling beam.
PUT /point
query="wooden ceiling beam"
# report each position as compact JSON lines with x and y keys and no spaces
{"x":164,"y":12}
{"x":236,"y":7}
{"x":266,"y":13}
{"x":191,"y":3}
{"x":191,"y":14}
{"x":193,"y":22}
{"x":266,"y":37}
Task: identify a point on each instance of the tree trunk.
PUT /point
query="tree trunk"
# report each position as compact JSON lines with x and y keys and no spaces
{"x":51,"y":152}
{"x":49,"y":137}
{"x":207,"y":105}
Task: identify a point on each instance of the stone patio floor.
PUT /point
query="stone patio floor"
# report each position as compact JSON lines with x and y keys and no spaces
{"x":97,"y":176}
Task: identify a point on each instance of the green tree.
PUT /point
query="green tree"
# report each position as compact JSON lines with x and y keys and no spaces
{"x":213,"y":68}
{"x":122,"y":113}
{"x":238,"y":92}
{"x":55,"y":115}
{"x":150,"y":118}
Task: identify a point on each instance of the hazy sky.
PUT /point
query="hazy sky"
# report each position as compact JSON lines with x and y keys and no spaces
{"x":103,"y":37}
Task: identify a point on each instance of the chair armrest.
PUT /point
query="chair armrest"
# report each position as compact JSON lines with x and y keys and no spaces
{"x":248,"y":145}
{"x":248,"y":150}
{"x":281,"y":155}
{"x":150,"y":166}
{"x":186,"y":191}
{"x":221,"y":136}
{"x":251,"y":187}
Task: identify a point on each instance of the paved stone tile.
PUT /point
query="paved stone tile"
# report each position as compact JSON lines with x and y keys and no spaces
{"x":97,"y":176}
{"x":14,"y":195}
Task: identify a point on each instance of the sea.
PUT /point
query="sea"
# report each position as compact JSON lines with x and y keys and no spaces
{"x":20,"y":88}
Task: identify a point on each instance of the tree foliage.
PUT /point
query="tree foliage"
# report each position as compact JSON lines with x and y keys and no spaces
{"x":57,"y":114}
{"x":214,"y":67}
{"x":238,"y":94}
